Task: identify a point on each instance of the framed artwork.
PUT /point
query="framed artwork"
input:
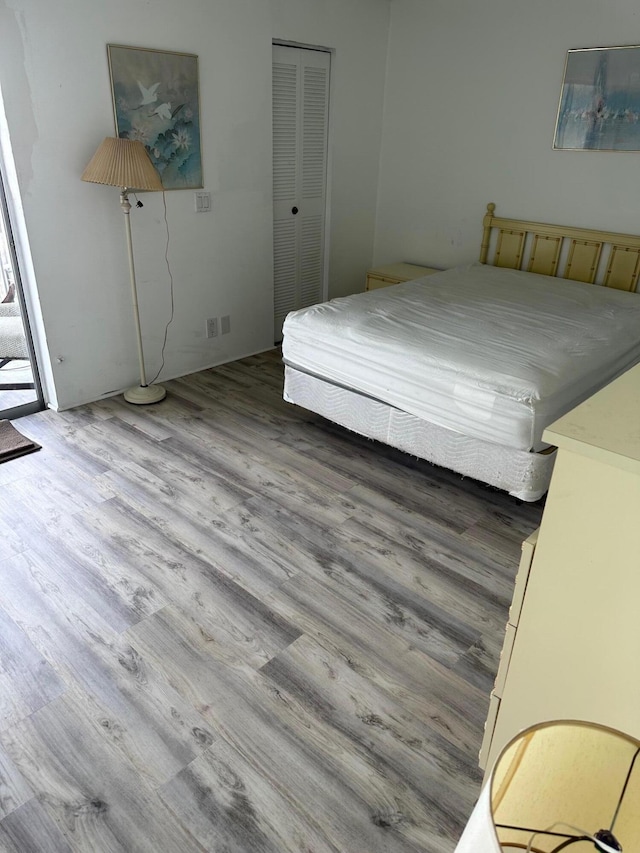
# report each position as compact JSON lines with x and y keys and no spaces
{"x":156,"y":100}
{"x":599,"y":106}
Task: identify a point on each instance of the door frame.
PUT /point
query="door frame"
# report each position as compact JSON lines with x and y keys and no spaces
{"x":327,"y":194}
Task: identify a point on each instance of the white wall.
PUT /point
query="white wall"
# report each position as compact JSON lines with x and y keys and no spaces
{"x":471,"y":98}
{"x":55,"y":84}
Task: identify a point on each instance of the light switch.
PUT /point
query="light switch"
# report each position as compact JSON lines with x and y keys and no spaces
{"x":203,"y":202}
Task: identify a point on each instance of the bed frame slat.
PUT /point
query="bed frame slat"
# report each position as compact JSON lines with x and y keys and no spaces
{"x":623,"y":268}
{"x":582,"y":263}
{"x":545,"y":254}
{"x":509,"y":249}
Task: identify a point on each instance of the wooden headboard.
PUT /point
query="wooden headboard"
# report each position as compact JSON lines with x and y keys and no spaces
{"x":581,"y":254}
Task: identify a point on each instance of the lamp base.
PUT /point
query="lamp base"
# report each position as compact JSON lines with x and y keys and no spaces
{"x":143,"y":395}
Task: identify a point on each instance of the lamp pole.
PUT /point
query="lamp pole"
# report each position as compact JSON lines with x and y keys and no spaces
{"x":143,"y":394}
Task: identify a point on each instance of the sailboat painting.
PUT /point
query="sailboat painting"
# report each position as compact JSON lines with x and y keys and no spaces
{"x":600,"y":100}
{"x":156,"y":100}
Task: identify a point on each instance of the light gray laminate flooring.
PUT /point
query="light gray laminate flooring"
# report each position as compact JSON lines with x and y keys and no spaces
{"x":227,"y":625}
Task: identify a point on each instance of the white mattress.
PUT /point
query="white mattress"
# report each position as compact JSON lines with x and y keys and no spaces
{"x":491,"y":353}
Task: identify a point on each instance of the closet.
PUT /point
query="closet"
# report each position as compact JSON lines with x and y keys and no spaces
{"x":300,"y":125}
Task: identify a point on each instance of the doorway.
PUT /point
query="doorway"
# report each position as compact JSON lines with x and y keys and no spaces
{"x":20,"y":390}
{"x":300,"y":132}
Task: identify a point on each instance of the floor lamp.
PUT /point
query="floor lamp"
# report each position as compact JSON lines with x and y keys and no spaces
{"x":125,"y":163}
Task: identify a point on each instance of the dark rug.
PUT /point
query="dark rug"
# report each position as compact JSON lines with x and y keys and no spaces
{"x":13,"y":443}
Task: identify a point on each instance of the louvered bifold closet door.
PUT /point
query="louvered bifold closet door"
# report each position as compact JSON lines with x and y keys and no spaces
{"x":300,"y":123}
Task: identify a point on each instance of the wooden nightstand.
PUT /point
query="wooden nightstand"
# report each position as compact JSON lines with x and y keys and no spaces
{"x":394,"y":274}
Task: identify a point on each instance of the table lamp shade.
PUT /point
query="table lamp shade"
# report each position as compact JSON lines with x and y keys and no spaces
{"x":122,"y":163}
{"x":555,"y":787}
{"x":570,"y":772}
{"x":479,"y":834}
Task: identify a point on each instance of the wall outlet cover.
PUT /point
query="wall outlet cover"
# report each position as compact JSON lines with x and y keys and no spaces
{"x":203,"y":201}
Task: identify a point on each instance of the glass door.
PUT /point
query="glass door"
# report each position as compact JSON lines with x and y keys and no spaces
{"x":20,"y":391}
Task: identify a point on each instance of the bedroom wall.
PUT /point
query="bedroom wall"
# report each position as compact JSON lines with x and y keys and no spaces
{"x":471,"y":98}
{"x":55,"y":86}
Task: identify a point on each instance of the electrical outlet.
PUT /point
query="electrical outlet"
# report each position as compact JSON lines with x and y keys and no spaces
{"x":225,"y":324}
{"x":203,"y":202}
{"x":212,"y":327}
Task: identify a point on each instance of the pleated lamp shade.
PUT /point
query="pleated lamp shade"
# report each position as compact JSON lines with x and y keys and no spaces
{"x":122,"y":163}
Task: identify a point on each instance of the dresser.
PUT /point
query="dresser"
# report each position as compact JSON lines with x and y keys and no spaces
{"x":572,"y":643}
{"x":395,"y":273}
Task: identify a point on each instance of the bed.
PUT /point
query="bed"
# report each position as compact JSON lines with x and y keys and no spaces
{"x":465,"y":368}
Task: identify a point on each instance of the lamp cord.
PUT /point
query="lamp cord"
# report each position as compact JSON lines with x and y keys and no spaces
{"x":571,"y":839}
{"x":624,"y":789}
{"x":166,"y":259}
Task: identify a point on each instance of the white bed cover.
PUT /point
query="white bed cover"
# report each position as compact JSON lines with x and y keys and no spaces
{"x":492,"y":353}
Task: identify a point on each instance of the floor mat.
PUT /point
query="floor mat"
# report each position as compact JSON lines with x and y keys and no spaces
{"x":13,"y":443}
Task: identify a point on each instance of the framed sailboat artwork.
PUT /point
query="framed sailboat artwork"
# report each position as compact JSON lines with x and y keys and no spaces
{"x":599,"y":106}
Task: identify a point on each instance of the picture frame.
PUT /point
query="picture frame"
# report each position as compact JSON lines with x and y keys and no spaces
{"x":156,"y":99}
{"x":599,"y":107}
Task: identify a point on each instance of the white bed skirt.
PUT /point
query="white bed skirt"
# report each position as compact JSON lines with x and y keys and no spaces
{"x":524,"y":475}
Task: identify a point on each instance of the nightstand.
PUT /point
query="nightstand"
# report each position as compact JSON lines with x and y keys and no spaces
{"x":394,"y":274}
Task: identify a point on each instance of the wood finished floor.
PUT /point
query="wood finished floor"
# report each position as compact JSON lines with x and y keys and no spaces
{"x":227,"y":625}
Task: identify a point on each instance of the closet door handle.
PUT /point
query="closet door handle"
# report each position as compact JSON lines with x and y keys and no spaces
{"x":294,"y":210}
